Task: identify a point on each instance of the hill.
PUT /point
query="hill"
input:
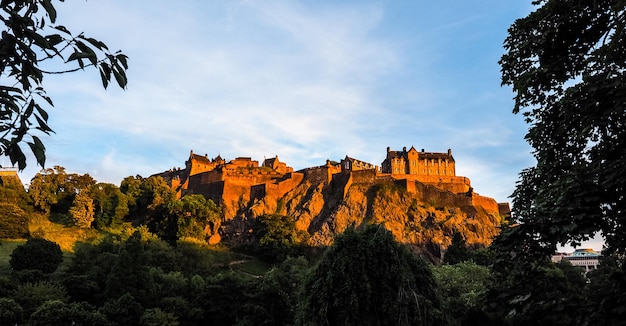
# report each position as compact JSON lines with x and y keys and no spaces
{"x":416,"y":195}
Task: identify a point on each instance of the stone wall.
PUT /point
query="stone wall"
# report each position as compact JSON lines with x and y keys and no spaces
{"x":453,"y":184}
{"x":320,"y":174}
{"x":440,"y":198}
{"x":278,"y":189}
{"x":364,"y":176}
{"x":489,"y":204}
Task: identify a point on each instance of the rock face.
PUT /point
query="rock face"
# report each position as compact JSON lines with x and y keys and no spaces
{"x":416,"y":195}
{"x":425,"y":218}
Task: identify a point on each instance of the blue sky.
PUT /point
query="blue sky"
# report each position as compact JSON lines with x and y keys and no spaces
{"x":307,"y":81}
{"x":304,"y":80}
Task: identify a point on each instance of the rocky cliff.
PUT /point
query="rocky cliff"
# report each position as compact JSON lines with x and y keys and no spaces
{"x":422,"y":216}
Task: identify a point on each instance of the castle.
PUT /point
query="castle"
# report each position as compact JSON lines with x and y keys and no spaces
{"x":244,"y":180}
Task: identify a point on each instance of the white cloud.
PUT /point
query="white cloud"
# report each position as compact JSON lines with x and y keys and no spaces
{"x":306,"y":81}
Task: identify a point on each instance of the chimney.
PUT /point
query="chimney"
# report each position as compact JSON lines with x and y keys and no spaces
{"x":449,"y":152}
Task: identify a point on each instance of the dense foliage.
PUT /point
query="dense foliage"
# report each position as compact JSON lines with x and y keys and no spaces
{"x":566,"y":62}
{"x":367,"y":278}
{"x":14,"y":209}
{"x":37,"y":254}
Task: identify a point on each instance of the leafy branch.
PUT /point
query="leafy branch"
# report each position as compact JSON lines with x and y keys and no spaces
{"x":27,"y":41}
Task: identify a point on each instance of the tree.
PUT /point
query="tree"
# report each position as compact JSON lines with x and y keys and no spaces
{"x":157,"y":317}
{"x":30,"y":47}
{"x":457,"y":251}
{"x":566,"y":62}
{"x":54,"y":190}
{"x":11,"y":313}
{"x":461,"y":286}
{"x":124,"y":310}
{"x":32,"y":295}
{"x":36,"y":253}
{"x":193,"y":214}
{"x":110,"y":204}
{"x":82,"y":211}
{"x":367,"y":278}
{"x":14,"y":221}
{"x":276,"y":235}
{"x":56,"y":312}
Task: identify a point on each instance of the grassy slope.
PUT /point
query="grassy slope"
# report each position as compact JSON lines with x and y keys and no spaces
{"x":66,"y":237}
{"x":6,"y":248}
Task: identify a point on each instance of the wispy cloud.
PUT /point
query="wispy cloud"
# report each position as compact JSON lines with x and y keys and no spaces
{"x":305,"y":80}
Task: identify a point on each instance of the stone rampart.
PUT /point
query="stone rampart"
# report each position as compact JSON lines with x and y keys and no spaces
{"x":320,"y":174}
{"x":280,"y":188}
{"x":489,"y":204}
{"x":440,"y":198}
{"x":235,"y":191}
{"x":453,"y":184}
{"x":364,"y":176}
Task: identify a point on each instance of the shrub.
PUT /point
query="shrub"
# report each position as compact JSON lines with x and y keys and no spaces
{"x":38,"y":254}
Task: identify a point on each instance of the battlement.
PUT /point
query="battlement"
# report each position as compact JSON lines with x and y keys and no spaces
{"x":243,"y":179}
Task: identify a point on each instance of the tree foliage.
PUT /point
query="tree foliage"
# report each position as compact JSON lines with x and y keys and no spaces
{"x":367,"y":278}
{"x":566,"y":62}
{"x":110,"y":205}
{"x":13,"y":222}
{"x":37,"y":253}
{"x":82,"y":211}
{"x":277,"y":237}
{"x":56,"y":312}
{"x":53,"y":190}
{"x":11,"y":313}
{"x":31,"y":47}
{"x":461,"y":287}
{"x":194,"y":214}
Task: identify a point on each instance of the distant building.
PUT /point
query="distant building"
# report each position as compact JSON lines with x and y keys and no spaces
{"x":418,"y":163}
{"x":349,"y":164}
{"x":588,"y":259}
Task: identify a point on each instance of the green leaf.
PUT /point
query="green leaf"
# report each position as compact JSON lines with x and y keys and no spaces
{"x":29,"y":109}
{"x":105,"y":74}
{"x":43,"y":126}
{"x":54,"y":39}
{"x":42,"y":112}
{"x":98,"y":44}
{"x":49,"y":7}
{"x":120,"y":77}
{"x":123,"y":59}
{"x":39,"y":150}
{"x":62,"y":29}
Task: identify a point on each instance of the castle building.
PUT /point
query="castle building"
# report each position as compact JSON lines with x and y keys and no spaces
{"x":432,"y":168}
{"x":413,"y":162}
{"x":243,"y":179}
{"x":274,"y":164}
{"x":351,"y":164}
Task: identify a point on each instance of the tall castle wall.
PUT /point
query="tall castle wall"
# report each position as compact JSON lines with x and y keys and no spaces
{"x":321,"y":174}
{"x":240,"y":181}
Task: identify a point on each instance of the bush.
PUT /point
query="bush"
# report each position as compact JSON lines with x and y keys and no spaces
{"x":11,"y":312}
{"x":37,"y":254}
{"x":14,"y":222}
{"x":367,"y":278}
